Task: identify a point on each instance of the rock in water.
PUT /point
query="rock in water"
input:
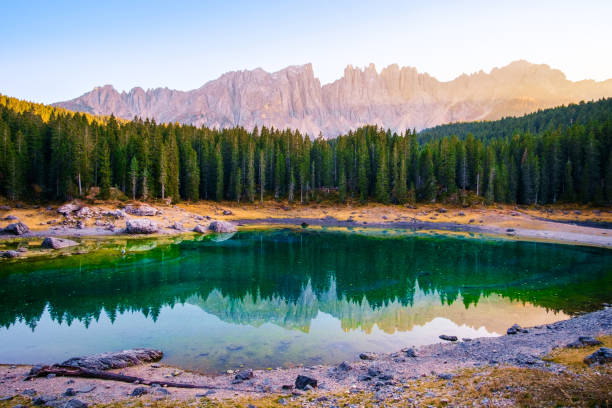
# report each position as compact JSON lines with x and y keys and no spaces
{"x":584,"y":341}
{"x":301,"y":382}
{"x":141,"y":210}
{"x":57,"y":243}
{"x":601,"y":356}
{"x":448,"y":338}
{"x":222,"y":227}
{"x":18,"y":228}
{"x":200,"y":229}
{"x":122,"y":359}
{"x":141,"y":227}
{"x":9,"y":254}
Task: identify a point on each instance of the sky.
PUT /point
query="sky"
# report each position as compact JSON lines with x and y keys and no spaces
{"x":52,"y":51}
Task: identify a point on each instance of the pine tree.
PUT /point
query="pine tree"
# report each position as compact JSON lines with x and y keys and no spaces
{"x":218,"y":174}
{"x":105,"y":172}
{"x":134,"y":175}
{"x":262,"y":175}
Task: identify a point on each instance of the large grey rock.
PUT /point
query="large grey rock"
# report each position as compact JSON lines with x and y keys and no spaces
{"x":68,"y":209}
{"x":85,"y":212}
{"x":121,"y":359}
{"x":57,"y":243}
{"x":141,"y":210}
{"x":222,"y":227}
{"x":584,"y":341}
{"x":75,"y":403}
{"x":601,"y":356}
{"x":9,"y":254}
{"x":200,"y":229}
{"x":116,"y":213}
{"x":18,"y":228}
{"x":141,"y":227}
{"x":302,"y":381}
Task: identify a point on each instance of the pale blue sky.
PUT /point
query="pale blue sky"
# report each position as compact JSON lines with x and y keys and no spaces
{"x":57,"y":50}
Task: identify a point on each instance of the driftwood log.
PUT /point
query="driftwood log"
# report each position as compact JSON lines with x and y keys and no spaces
{"x":68,"y":371}
{"x":95,"y":366}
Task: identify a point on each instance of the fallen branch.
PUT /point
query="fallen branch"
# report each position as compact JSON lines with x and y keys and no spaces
{"x":68,"y":371}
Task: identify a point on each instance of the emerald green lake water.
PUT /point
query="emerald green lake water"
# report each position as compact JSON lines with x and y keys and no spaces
{"x":286,"y":297}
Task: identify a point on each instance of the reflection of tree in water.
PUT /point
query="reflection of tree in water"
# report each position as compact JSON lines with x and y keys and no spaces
{"x":287,"y":276}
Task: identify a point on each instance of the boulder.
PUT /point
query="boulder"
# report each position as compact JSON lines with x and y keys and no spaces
{"x":9,"y":254}
{"x":243,"y":375}
{"x":68,"y":209}
{"x":368,"y":356}
{"x":5,"y":208}
{"x":141,"y":227}
{"x":410,"y":352}
{"x":141,"y":210}
{"x":344,"y":366}
{"x":122,"y":359}
{"x":84,"y":212}
{"x":584,"y":341}
{"x":227,"y":212}
{"x":302,"y":381}
{"x":601,"y":356}
{"x":116,"y":213}
{"x":18,"y":228}
{"x":448,"y":338}
{"x":515,"y":329}
{"x":200,"y":229}
{"x":57,"y":243}
{"x":11,"y":218}
{"x":222,"y":227}
{"x":75,"y":403}
{"x":139,"y":391}
{"x":178,"y":226}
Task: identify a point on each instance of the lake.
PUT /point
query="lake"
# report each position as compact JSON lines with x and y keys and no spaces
{"x":285,"y":297}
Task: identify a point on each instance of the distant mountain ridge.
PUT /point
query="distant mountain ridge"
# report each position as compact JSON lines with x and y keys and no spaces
{"x":396,"y":98}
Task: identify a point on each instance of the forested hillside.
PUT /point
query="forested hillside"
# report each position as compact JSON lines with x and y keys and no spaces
{"x":58,"y":155}
{"x":548,"y":119}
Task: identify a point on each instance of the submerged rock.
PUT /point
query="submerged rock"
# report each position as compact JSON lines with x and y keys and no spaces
{"x":222,"y":227}
{"x":302,"y":381}
{"x":141,"y":227}
{"x":344,"y":366}
{"x":601,"y":356}
{"x":368,"y":356}
{"x":57,"y":243}
{"x":18,"y":228}
{"x":121,"y":359}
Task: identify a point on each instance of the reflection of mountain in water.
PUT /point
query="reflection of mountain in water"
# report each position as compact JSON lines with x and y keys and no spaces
{"x":286,"y":277}
{"x":495,"y":313}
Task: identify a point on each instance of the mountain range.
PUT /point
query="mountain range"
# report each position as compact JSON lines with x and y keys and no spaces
{"x":398,"y":98}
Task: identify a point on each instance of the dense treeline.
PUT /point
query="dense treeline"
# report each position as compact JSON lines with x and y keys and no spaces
{"x":65,"y":154}
{"x":538,"y":122}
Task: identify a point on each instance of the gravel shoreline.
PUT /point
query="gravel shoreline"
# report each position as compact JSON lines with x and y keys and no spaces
{"x":373,"y":373}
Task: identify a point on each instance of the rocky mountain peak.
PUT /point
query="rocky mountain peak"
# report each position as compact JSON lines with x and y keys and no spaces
{"x":396,"y":97}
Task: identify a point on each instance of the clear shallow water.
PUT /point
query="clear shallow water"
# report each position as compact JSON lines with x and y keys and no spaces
{"x":285,"y":297}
